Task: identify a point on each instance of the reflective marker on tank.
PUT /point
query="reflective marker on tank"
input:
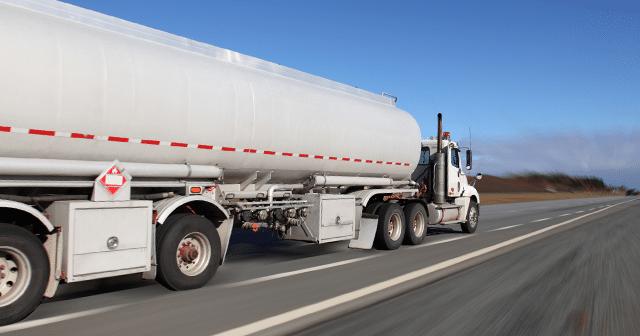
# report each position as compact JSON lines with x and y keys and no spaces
{"x":8,"y":129}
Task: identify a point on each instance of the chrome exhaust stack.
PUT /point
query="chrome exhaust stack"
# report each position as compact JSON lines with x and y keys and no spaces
{"x":439,"y":168}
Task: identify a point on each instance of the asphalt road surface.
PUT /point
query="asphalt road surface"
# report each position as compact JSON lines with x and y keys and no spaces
{"x":568,"y":267}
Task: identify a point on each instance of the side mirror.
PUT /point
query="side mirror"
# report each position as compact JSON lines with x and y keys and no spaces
{"x":469,"y":158}
{"x":478,"y":177}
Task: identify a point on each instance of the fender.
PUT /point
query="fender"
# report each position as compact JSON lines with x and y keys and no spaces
{"x":167,"y":206}
{"x":28,"y":209}
{"x":366,"y":195}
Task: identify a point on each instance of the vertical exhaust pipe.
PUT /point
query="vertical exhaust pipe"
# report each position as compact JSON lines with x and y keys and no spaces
{"x":439,"y":168}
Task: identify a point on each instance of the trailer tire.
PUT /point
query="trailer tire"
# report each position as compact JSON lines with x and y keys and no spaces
{"x":24,"y":273}
{"x":373,"y":208}
{"x":188,"y":252}
{"x":472,"y":219}
{"x":416,"y":223}
{"x":391,"y":227}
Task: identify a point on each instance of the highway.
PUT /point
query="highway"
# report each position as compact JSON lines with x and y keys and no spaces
{"x":567,"y":267}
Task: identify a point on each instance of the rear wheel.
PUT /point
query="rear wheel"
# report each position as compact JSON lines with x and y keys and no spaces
{"x":416,"y":219}
{"x":24,"y":273}
{"x":188,"y":252}
{"x":472,"y":219}
{"x":391,"y":227}
{"x":373,"y":208}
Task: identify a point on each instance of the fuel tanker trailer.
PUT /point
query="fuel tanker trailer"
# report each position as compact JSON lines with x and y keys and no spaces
{"x":124,"y":149}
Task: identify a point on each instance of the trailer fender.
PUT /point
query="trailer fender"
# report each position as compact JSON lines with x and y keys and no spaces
{"x":6,"y":204}
{"x":199,"y":205}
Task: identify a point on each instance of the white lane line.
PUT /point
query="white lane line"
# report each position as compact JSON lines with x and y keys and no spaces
{"x":564,"y":215}
{"x":504,"y":228}
{"x":341,"y":299}
{"x":539,"y":220}
{"x":578,"y":212}
{"x":286,"y":274}
{"x":436,"y":242}
{"x":591,"y":209}
{"x":54,"y":319}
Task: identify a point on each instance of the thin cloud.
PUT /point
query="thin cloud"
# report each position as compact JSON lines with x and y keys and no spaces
{"x":613,"y":156}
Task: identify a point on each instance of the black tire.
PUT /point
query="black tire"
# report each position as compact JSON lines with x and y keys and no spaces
{"x":391,"y":227}
{"x":24,"y":273}
{"x":416,"y":223}
{"x":372,"y":208}
{"x":471,"y":224}
{"x":178,"y":267}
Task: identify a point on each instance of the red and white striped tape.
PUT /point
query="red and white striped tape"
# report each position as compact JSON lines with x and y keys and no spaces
{"x":185,"y":145}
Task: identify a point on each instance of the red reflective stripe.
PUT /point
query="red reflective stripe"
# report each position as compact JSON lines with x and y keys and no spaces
{"x":81,"y":136}
{"x":406,"y":164}
{"x":118,"y":139}
{"x":180,"y":144}
{"x":41,"y":132}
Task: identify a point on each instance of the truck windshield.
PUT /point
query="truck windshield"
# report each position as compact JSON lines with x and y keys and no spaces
{"x":424,"y":156}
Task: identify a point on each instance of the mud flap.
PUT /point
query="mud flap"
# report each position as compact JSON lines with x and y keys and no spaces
{"x":366,"y":233}
{"x":224,"y":231}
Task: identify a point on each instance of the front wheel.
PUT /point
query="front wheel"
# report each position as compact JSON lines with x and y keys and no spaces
{"x":188,"y":252}
{"x":472,"y":219}
{"x":24,"y":273}
{"x":391,"y":227}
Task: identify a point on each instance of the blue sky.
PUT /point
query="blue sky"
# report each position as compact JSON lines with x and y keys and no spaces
{"x":549,"y":86}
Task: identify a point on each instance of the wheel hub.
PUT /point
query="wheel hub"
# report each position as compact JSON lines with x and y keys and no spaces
{"x":193,"y":254}
{"x":10,"y":284}
{"x":188,"y":253}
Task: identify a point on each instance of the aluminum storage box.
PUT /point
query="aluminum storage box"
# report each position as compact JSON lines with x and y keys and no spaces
{"x":103,"y":239}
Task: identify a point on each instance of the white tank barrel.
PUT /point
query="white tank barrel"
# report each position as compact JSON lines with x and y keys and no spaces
{"x":80,"y":85}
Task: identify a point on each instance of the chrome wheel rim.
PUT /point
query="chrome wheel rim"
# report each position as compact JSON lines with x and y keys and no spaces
{"x":15,"y":274}
{"x":395,"y":227}
{"x":473,"y":217}
{"x":193,"y":254}
{"x":418,"y":224}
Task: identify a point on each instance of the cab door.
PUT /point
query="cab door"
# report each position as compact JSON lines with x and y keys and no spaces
{"x":453,"y":172}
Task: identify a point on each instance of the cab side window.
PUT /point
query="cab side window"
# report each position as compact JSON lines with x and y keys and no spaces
{"x":424,"y":156}
{"x":455,"y":157}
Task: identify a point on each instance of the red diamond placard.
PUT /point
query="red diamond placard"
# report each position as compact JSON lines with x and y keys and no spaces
{"x":113,"y":180}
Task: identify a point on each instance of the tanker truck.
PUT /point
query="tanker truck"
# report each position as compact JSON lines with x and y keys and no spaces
{"x":127,"y":150}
